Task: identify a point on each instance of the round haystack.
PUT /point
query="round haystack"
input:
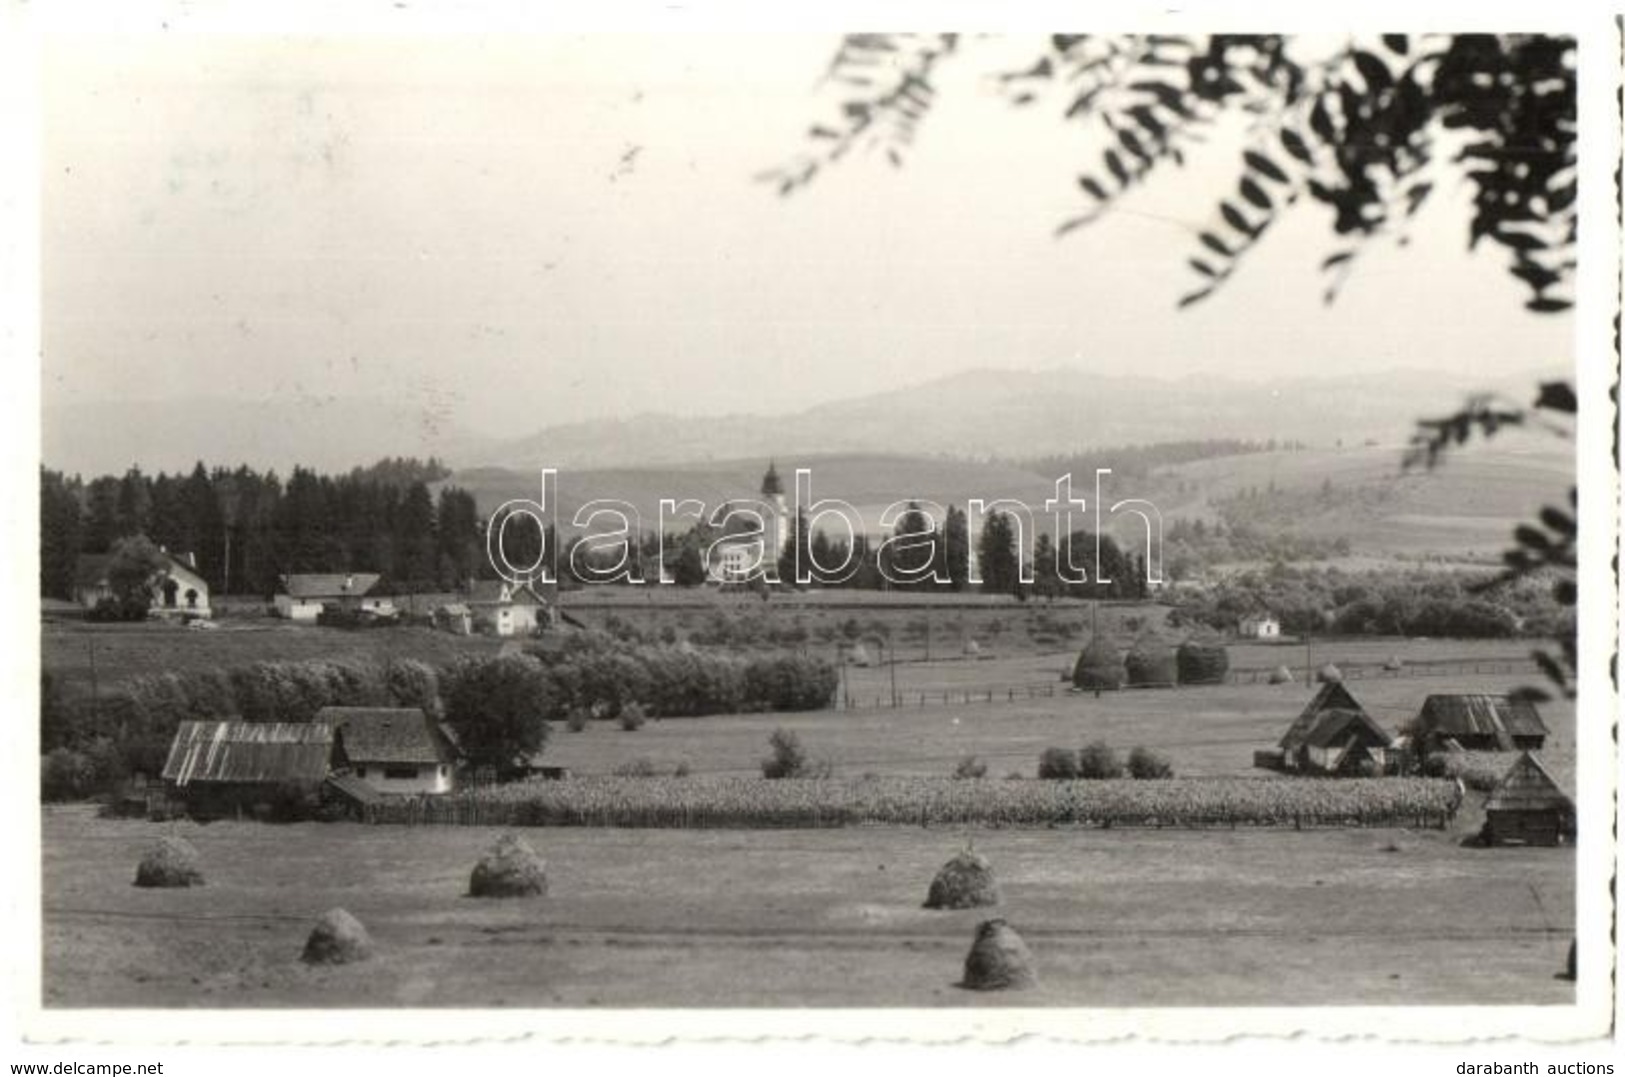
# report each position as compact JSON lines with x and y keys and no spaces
{"x":1099,"y":667}
{"x":972,"y":648}
{"x":1202,"y":663}
{"x":858,"y":655}
{"x":998,"y":960}
{"x":1328,"y":674}
{"x":965,"y":882}
{"x":1394,"y":663}
{"x":1280,"y":675}
{"x":510,"y":869}
{"x":171,"y":862}
{"x":337,"y":939}
{"x":1152,"y":663}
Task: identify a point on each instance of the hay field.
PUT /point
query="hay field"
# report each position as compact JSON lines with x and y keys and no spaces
{"x":639,"y":918}
{"x":1210,"y":730}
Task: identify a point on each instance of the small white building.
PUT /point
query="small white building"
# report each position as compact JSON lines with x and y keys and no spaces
{"x":506,"y":609}
{"x":304,"y":595}
{"x":397,"y":750}
{"x":1260,"y":626}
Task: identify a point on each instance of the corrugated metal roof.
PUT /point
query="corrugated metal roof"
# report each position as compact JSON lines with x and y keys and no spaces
{"x":1331,"y":696}
{"x":386,"y":734}
{"x":233,"y":751}
{"x":1480,"y":715}
{"x":1528,"y":786}
{"x":330,"y":584}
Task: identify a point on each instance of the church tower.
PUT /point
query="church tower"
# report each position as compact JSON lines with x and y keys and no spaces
{"x":773,"y":494}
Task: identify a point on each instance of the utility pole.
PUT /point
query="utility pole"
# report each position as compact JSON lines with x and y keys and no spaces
{"x":893,"y":651}
{"x":1309,"y":658}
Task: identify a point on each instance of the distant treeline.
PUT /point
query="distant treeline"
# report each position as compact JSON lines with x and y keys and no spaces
{"x":248,"y":528}
{"x":1138,"y":461}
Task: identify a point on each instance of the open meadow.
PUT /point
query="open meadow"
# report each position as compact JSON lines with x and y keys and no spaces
{"x":722,"y":918}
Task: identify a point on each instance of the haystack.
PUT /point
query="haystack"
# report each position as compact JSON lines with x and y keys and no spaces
{"x":172,"y":862}
{"x":510,"y":869}
{"x":337,"y":939}
{"x":1328,"y":674}
{"x":965,"y":882}
{"x":1202,"y":663}
{"x":1280,"y":675}
{"x":1152,"y":663}
{"x":1099,"y":667}
{"x":998,"y":960}
{"x":858,"y":655}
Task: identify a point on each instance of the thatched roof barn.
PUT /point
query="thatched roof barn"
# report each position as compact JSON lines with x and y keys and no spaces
{"x":1528,"y":807}
{"x":1343,"y":742}
{"x":1333,"y":695}
{"x":1479,"y":723}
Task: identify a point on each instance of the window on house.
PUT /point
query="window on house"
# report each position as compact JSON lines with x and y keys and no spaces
{"x":400,"y":772}
{"x":191,"y":598}
{"x":360,"y":772}
{"x":442,"y":770}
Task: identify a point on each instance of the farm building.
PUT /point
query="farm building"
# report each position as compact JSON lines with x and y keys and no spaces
{"x":304,"y":595}
{"x":1478,"y":723}
{"x":1528,"y":807}
{"x":454,"y":617}
{"x":1334,"y":735}
{"x":222,"y":767}
{"x":1260,"y":626}
{"x":506,"y":609}
{"x":181,"y":590}
{"x":392,"y":749}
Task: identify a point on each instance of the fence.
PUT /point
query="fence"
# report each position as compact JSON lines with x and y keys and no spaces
{"x":1374,"y":671}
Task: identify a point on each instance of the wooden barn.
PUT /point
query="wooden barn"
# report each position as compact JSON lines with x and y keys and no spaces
{"x":1334,"y":735}
{"x":228,"y":767}
{"x":393,"y":749}
{"x":1528,"y":807}
{"x":1482,"y":723}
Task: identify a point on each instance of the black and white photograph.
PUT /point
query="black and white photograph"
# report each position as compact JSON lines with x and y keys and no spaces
{"x":541,"y":520}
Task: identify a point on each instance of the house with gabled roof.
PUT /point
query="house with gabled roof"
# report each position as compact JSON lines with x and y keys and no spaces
{"x":1528,"y":807}
{"x":1478,"y":722}
{"x":506,"y":609}
{"x":393,"y":749}
{"x":304,"y":595}
{"x":1334,"y":735}
{"x":180,"y":590}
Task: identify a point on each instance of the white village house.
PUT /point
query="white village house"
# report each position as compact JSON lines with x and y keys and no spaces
{"x":1260,"y":626}
{"x":303,"y":595}
{"x":506,"y":609}
{"x":181,"y":590}
{"x":396,"y":750}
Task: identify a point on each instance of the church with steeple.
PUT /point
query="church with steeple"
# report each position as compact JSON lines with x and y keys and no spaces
{"x":733,"y":561}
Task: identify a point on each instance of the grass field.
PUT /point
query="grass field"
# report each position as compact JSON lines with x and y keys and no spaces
{"x":638,"y":918}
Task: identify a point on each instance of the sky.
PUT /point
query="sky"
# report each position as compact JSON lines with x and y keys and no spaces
{"x":522,"y":231}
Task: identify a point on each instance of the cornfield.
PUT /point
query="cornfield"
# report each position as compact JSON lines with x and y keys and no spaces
{"x":750,"y":803}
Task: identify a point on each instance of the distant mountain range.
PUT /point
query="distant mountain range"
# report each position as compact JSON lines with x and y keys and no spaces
{"x":978,"y":415}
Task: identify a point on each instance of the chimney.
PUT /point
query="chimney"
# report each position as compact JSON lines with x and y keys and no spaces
{"x":191,"y":559}
{"x":349,"y":582}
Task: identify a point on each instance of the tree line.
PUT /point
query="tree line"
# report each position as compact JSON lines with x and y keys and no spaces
{"x":248,"y":528}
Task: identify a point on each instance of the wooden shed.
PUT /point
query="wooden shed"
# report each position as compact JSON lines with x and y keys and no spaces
{"x":1484,"y":723}
{"x":1528,"y":807}
{"x":223,"y":767}
{"x":1334,"y":735}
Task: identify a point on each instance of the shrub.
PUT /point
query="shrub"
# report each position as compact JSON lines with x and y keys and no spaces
{"x":1098,"y":761}
{"x":789,"y":759}
{"x":1145,"y":764}
{"x":971,"y":767}
{"x":681,"y":770}
{"x":632,"y":717}
{"x":66,"y":775}
{"x":577,"y":719}
{"x":1058,"y":764}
